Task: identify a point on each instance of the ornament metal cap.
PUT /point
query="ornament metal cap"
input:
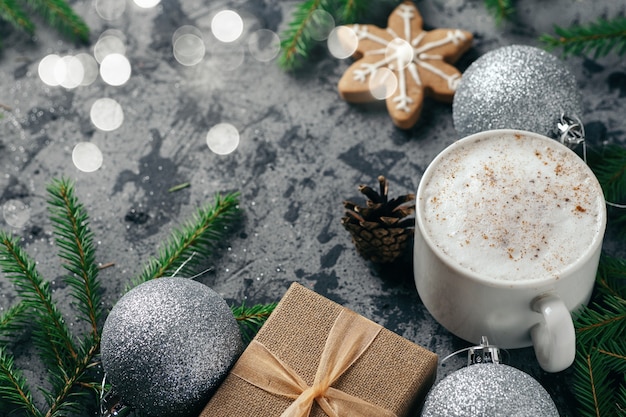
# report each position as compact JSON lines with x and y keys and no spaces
{"x":483,"y":353}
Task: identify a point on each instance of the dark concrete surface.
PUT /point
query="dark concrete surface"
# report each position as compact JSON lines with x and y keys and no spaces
{"x":302,"y":152}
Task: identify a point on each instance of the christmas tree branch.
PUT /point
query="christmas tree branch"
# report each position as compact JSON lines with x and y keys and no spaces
{"x":207,"y":227}
{"x":51,"y":335}
{"x":600,"y":38}
{"x":9,"y":321}
{"x":298,"y":40}
{"x":500,"y":9}
{"x":250,"y":319}
{"x":600,"y":368}
{"x":609,"y":166}
{"x":75,"y":242}
{"x":60,"y":15}
{"x":13,"y":14}
{"x":13,"y":389}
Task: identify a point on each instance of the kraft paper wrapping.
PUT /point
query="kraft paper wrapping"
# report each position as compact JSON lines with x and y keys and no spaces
{"x":389,"y":372}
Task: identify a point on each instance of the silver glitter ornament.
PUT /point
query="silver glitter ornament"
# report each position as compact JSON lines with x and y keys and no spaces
{"x":167,"y":344}
{"x":488,"y":388}
{"x":515,"y":87}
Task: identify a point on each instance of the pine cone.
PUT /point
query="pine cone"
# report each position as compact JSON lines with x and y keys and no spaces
{"x":382,"y":230}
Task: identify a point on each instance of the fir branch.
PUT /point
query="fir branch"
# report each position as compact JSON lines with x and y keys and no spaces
{"x":10,"y":320}
{"x":600,"y":38}
{"x":604,"y":321}
{"x":51,"y":335}
{"x":75,"y":242}
{"x":609,"y":166}
{"x":250,"y":319}
{"x":500,"y":9}
{"x":13,"y":14}
{"x":350,"y":10}
{"x":207,"y":227}
{"x":591,"y":384}
{"x":60,"y":15}
{"x":297,"y":42}
{"x":13,"y":388}
{"x":611,"y":276}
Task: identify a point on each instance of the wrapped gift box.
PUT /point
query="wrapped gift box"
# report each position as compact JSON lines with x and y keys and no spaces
{"x":371,"y":370}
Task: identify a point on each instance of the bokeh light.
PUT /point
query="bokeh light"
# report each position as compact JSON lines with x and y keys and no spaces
{"x":110,"y":42}
{"x":110,"y":9}
{"x":115,"y":69}
{"x":87,"y":157}
{"x":47,"y":69}
{"x":90,"y":68}
{"x":400,"y":52}
{"x":106,"y":114}
{"x":69,"y":72}
{"x":342,"y":42}
{"x":223,"y":138}
{"x":188,"y":45}
{"x":383,"y":83}
{"x":264,"y":45}
{"x":16,"y":213}
{"x":227,"y":26}
{"x":322,"y":23}
{"x":146,"y":4}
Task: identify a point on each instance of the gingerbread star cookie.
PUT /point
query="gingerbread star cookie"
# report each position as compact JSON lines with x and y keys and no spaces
{"x":403,"y":63}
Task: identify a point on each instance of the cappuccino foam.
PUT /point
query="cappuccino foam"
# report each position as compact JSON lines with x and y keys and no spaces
{"x":512,"y":207}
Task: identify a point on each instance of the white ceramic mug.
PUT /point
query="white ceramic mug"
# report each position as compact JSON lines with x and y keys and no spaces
{"x":509,"y":229}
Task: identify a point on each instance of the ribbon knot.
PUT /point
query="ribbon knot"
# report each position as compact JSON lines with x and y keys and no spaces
{"x":350,"y":336}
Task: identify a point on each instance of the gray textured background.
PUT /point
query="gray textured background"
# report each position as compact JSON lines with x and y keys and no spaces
{"x":302,"y":152}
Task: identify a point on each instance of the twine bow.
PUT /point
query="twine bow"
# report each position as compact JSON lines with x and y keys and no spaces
{"x":350,"y":336}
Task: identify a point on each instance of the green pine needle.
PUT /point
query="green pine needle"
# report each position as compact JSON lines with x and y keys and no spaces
{"x":11,"y":319}
{"x":500,"y":9}
{"x":199,"y":235}
{"x":592,"y":385}
{"x":76,"y":248}
{"x":13,"y":388}
{"x":13,"y":14}
{"x":609,"y":166}
{"x":51,"y":335}
{"x":59,"y":14}
{"x":250,"y":319}
{"x":297,"y":41}
{"x":598,"y":38}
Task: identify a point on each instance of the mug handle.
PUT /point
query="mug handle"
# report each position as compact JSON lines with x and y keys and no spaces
{"x":554,"y":339}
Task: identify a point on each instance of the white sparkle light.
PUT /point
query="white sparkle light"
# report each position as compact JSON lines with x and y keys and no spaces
{"x":342,"y":42}
{"x":110,"y":42}
{"x":110,"y":9}
{"x":227,"y":26}
{"x":264,"y":45}
{"x":147,"y":4}
{"x":383,"y":83}
{"x":47,"y":69}
{"x":223,"y":138}
{"x":106,"y":114}
{"x":115,"y":69}
{"x":322,"y":23}
{"x":87,"y":157}
{"x":188,"y":45}
{"x":16,"y":213}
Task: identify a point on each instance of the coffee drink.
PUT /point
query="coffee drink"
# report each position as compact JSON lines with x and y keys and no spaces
{"x":512,"y":207}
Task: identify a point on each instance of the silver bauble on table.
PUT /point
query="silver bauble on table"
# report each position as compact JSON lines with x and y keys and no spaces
{"x":488,"y":388}
{"x":167,"y":344}
{"x":515,"y":87}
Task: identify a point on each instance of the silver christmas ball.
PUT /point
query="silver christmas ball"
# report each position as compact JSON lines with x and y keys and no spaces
{"x":489,"y":390}
{"x":515,"y":87}
{"x":167,"y":344}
